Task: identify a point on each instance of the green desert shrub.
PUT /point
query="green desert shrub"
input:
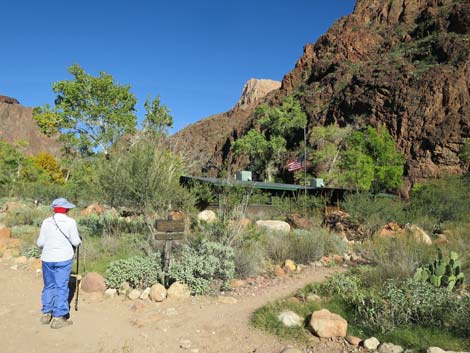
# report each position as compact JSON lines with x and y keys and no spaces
{"x":445,"y":200}
{"x":303,"y":246}
{"x":27,"y":216}
{"x":99,"y":225}
{"x":138,"y":271}
{"x":202,"y":262}
{"x":32,"y":251}
{"x":374,"y":211}
{"x":250,"y":258}
{"x":397,"y":257}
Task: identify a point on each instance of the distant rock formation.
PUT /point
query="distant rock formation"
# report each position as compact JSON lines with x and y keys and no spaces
{"x":255,"y":90}
{"x":403,"y":64}
{"x":17,"y":124}
{"x":206,"y":143}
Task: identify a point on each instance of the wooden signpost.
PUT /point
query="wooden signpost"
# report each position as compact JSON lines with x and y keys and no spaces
{"x":168,"y":230}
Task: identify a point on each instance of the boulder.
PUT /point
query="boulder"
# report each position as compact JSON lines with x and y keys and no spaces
{"x":419,"y":234}
{"x":93,"y":209}
{"x":390,"y":230}
{"x":207,"y":216}
{"x":296,"y":221}
{"x":313,"y":298}
{"x":326,"y":324}
{"x":145,"y":294}
{"x":179,"y":291}
{"x":290,"y":319}
{"x":273,"y":226}
{"x":93,"y":282}
{"x":390,"y":348}
{"x":157,"y":292}
{"x":291,"y":265}
{"x":134,"y":294}
{"x":110,"y":293}
{"x":371,"y":343}
{"x":278,"y":271}
{"x":435,"y":350}
{"x":342,"y":223}
{"x":353,"y":340}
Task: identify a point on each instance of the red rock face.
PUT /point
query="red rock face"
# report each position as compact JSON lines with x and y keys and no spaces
{"x":17,"y":124}
{"x":404,"y":64}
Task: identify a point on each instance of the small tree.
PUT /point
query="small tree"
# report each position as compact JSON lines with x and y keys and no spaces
{"x":90,"y":113}
{"x":145,"y":179}
{"x":266,"y":145}
{"x":157,"y":117}
{"x":371,"y":161}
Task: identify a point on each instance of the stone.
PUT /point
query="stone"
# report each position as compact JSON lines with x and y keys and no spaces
{"x":324,"y":324}
{"x":390,"y":348}
{"x":353,"y":340}
{"x":93,"y":282}
{"x":419,"y":234}
{"x":93,"y":209}
{"x":226,"y":300}
{"x":273,"y":226}
{"x":5,"y":233}
{"x":278,"y":271}
{"x":296,"y":221}
{"x":290,"y":319}
{"x":134,"y":294}
{"x":237,"y":283}
{"x":346,"y":257}
{"x":286,"y":270}
{"x":20,"y":260}
{"x":207,"y":216}
{"x":313,"y":298}
{"x":158,"y":292}
{"x":124,"y":288}
{"x":110,"y":293}
{"x":290,"y":264}
{"x":435,"y":350}
{"x":179,"y":291}
{"x":371,"y":343}
{"x":145,"y":294}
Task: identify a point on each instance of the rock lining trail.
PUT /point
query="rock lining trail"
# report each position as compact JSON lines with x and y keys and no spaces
{"x":117,"y":325}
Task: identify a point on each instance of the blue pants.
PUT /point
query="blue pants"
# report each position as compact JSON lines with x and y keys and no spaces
{"x":56,"y":287}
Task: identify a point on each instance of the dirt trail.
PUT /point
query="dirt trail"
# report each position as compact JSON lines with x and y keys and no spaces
{"x":202,"y":324}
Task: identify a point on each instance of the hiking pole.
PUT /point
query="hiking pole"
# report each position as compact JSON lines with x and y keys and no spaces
{"x":76,"y":280}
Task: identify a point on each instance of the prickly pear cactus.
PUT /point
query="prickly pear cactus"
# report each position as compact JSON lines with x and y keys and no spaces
{"x":443,"y":272}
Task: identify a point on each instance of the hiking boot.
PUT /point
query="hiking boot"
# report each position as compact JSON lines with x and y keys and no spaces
{"x":46,"y":318}
{"x":59,"y":322}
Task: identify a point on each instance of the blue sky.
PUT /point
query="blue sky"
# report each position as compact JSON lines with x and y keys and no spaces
{"x":196,"y":54}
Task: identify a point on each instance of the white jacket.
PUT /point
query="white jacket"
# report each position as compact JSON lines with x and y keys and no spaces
{"x":55,"y":248}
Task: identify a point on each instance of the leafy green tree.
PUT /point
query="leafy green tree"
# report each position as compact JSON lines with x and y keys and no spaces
{"x":90,"y":113}
{"x":371,"y":161}
{"x":266,"y":145}
{"x":143,"y":178}
{"x":157,"y":117}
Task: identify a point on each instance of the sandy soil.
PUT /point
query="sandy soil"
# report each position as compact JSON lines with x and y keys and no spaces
{"x":198,"y":325}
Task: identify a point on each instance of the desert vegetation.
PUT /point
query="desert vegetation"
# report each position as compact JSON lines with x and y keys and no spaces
{"x":410,"y":258}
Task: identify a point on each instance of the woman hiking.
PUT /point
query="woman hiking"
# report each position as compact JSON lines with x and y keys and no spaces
{"x":58,"y":238}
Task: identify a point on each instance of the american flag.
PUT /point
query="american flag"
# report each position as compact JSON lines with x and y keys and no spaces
{"x":296,"y":164}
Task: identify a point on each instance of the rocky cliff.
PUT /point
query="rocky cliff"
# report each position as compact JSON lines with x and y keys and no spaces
{"x":17,"y":124}
{"x":404,"y":64}
{"x":206,"y":144}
